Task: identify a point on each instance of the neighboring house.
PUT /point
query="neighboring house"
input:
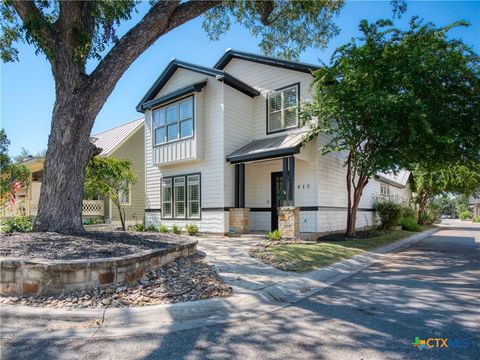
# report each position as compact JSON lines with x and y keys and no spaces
{"x":223,"y":149}
{"x":475,"y":204}
{"x":124,"y":142}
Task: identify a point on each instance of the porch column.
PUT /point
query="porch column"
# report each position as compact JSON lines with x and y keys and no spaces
{"x":239,"y":185}
{"x":288,"y":214}
{"x":239,"y":217}
{"x":289,"y":181}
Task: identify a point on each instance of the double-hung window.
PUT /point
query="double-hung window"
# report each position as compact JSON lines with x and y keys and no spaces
{"x":384,"y":190}
{"x":124,"y":195}
{"x":181,"y":197}
{"x":282,"y":109}
{"x":174,"y":121}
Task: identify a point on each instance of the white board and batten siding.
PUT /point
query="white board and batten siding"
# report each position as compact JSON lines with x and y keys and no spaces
{"x":267,"y":79}
{"x":226,"y":120}
{"x":238,"y":131}
{"x":176,"y":159}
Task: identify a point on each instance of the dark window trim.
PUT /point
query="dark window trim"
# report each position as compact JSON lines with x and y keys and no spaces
{"x":297,"y":84}
{"x":186,"y":196}
{"x":154,"y":144}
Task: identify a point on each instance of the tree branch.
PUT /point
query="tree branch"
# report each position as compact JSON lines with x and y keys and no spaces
{"x":38,"y":27}
{"x":265,"y":8}
{"x":75,"y":17}
{"x":161,"y":18}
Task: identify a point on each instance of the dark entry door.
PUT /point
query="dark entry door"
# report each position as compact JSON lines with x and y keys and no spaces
{"x":277,"y":197}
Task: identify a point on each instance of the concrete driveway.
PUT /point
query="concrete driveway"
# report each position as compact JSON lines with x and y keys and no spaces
{"x":430,"y":290}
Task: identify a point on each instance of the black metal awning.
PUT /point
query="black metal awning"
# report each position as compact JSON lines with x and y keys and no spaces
{"x":268,"y":148}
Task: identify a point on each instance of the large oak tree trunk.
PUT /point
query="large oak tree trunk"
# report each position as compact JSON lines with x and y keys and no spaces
{"x":69,"y":149}
{"x":79,"y":97}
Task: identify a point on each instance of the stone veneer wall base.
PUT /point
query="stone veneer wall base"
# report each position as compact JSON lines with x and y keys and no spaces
{"x":52,"y":277}
{"x":289,"y":221}
{"x":239,"y":220}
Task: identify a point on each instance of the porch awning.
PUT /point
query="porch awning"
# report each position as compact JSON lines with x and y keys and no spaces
{"x":268,"y":148}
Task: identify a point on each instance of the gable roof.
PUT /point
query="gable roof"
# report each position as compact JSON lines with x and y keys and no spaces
{"x":399,"y":179}
{"x":220,"y":75}
{"x":111,"y":139}
{"x":266,"y":60}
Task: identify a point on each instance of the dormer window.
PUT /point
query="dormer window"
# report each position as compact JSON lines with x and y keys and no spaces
{"x":173,"y":121}
{"x":282,"y":109}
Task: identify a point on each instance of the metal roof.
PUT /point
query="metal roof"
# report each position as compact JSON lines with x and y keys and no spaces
{"x":268,"y":148}
{"x":399,"y":179}
{"x":109,"y":140}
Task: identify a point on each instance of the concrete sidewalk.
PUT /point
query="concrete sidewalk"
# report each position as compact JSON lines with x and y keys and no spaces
{"x":258,"y":289}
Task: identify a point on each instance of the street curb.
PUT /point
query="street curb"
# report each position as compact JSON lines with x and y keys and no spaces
{"x":25,"y":321}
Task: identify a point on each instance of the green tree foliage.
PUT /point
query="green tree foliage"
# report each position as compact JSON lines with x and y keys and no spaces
{"x":109,"y":177}
{"x":430,"y":184}
{"x":284,"y":27}
{"x":10,"y":171}
{"x":391,"y":98}
{"x":69,"y":33}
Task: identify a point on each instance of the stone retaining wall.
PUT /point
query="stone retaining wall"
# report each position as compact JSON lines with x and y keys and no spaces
{"x":52,"y":277}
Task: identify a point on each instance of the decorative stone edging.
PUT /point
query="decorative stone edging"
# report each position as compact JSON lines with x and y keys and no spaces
{"x":51,"y":277}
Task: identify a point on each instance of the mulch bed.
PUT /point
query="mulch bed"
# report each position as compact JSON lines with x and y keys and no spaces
{"x":91,"y":245}
{"x":185,"y":279}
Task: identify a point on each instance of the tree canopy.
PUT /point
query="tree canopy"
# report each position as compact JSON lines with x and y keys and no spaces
{"x":11,"y":172}
{"x":69,"y":33}
{"x":285,"y":28}
{"x":428,"y":184}
{"x":394,"y":98}
{"x":109,"y":177}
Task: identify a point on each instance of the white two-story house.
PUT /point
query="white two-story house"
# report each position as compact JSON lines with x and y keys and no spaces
{"x":224,"y":150}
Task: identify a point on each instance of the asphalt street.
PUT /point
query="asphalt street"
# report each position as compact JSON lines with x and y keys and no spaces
{"x":431,"y":290}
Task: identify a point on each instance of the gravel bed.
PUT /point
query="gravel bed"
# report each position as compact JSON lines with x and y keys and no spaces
{"x":91,"y":245}
{"x":185,"y":279}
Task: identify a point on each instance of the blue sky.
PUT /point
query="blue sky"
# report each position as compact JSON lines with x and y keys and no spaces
{"x":27,"y":88}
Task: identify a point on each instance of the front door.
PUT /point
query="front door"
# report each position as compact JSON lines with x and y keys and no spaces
{"x":277,"y":197}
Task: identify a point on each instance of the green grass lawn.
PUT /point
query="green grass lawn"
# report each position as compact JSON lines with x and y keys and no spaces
{"x":305,"y":257}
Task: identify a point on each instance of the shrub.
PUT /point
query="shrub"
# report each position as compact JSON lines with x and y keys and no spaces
{"x":176,"y":229}
{"x":18,"y":224}
{"x":465,"y":215}
{"x":192,"y":229}
{"x":151,"y":228}
{"x":433,"y":213}
{"x":477,"y":219}
{"x":162,"y":228}
{"x":139,"y":227}
{"x":409,"y":212}
{"x":410,"y":224}
{"x":389,"y":212}
{"x":274,"y":235}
